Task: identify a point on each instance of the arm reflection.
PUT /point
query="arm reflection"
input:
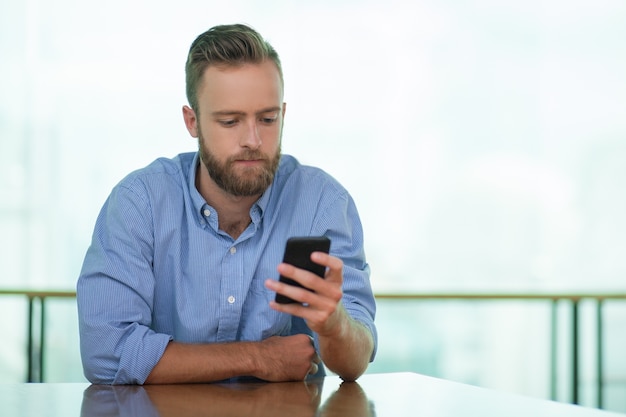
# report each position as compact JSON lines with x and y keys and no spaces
{"x":348,"y":401}
{"x":238,"y":399}
{"x":117,"y":400}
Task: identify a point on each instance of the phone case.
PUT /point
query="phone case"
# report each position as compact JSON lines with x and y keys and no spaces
{"x":298,"y":253}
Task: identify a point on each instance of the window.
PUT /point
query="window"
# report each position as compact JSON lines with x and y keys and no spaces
{"x":484,"y":142}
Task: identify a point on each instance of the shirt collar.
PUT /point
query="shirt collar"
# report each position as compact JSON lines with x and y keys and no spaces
{"x":196,"y":197}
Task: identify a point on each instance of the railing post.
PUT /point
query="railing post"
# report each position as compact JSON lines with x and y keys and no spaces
{"x":29,"y":341}
{"x":575,"y":352}
{"x":553,"y":349}
{"x":599,"y":353}
{"x":42,"y":335}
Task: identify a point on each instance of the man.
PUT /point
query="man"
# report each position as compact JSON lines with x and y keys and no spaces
{"x":179,"y":282}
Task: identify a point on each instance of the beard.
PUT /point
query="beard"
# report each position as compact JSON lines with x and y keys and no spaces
{"x":249,"y":181}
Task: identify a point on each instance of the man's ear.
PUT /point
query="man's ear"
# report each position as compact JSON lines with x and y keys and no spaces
{"x":191,"y":121}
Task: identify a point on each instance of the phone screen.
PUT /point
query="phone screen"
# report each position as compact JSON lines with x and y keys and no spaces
{"x":298,"y":253}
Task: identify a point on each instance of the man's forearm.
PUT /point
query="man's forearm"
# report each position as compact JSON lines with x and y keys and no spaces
{"x":277,"y":358}
{"x":348,"y":351}
{"x":189,"y":363}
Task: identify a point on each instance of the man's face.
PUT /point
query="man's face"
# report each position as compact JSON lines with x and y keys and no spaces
{"x":239,"y":126}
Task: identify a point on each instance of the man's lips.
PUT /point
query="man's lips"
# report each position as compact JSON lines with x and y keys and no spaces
{"x":249,"y":161}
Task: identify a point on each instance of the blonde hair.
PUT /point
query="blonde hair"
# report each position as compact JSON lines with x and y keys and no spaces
{"x":225,"y":45}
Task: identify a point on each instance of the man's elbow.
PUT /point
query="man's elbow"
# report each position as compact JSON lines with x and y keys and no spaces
{"x":97,"y":370}
{"x":96,"y":375}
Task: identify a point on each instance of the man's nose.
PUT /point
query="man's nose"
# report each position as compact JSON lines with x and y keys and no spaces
{"x":251,"y":138}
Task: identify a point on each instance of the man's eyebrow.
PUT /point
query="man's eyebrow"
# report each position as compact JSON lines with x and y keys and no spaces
{"x":218,"y":113}
{"x":270,"y":110}
{"x":227,"y":113}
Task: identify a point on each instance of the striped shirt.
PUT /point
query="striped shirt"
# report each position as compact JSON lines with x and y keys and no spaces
{"x":159,"y":269}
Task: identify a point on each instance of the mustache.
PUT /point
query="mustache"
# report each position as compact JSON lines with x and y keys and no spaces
{"x":249,"y":155}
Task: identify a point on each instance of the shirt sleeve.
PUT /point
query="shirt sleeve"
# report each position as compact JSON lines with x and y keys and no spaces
{"x":340,"y":221}
{"x":115,"y":293}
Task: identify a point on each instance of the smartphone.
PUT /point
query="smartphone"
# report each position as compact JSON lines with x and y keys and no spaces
{"x":298,"y":253}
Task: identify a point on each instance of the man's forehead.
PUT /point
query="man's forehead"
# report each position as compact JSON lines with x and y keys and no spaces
{"x":253,"y":86}
{"x":265,"y":69}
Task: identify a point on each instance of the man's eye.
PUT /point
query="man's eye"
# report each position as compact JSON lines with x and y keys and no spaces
{"x":227,"y":122}
{"x":268,"y":120}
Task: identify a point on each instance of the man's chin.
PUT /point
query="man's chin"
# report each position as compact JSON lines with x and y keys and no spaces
{"x":249,"y":185}
{"x":249,"y":175}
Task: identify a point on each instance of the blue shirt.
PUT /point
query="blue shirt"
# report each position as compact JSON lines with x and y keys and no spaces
{"x":159,"y":269}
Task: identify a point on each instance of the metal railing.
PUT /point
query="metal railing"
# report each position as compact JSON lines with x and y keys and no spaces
{"x":574,"y":298}
{"x":36,"y":342}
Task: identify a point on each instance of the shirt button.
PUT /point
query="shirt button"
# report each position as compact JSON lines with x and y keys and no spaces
{"x":233,"y":250}
{"x":231,"y":299}
{"x":206,"y":212}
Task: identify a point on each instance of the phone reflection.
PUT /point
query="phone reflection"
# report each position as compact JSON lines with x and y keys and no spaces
{"x":254,"y":399}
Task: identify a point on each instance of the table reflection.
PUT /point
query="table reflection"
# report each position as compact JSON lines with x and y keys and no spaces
{"x":257,"y":399}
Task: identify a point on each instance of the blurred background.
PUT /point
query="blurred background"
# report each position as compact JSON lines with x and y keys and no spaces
{"x":484,"y":143}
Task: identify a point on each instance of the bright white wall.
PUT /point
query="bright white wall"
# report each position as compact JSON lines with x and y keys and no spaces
{"x":484,"y":141}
